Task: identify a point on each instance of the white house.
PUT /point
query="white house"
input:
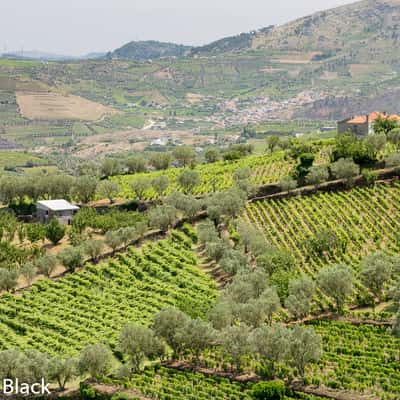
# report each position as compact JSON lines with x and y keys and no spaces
{"x":60,"y":209}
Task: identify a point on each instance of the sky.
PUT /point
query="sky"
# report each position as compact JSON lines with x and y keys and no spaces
{"x":77,"y":27}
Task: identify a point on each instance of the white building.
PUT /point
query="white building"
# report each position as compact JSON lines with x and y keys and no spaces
{"x":60,"y":209}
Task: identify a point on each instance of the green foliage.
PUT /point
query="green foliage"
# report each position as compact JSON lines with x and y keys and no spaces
{"x":268,"y":391}
{"x":71,"y":258}
{"x":55,"y":231}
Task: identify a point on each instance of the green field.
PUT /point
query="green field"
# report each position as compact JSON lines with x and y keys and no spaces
{"x":265,"y":169}
{"x":62,"y":316}
{"x":360,"y":359}
{"x":365,"y":219}
{"x":18,"y":159}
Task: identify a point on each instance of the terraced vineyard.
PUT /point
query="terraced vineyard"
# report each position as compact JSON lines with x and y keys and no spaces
{"x":169,"y":384}
{"x":365,"y":219}
{"x":266,"y":169}
{"x":62,"y":316}
{"x":359,"y":358}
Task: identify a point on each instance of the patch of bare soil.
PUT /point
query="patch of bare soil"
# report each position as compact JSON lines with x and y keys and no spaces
{"x":42,"y":105}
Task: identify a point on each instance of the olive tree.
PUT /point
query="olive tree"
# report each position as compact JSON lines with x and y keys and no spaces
{"x":93,"y":248}
{"x":160,"y":185}
{"x":166,"y":324}
{"x":46,"y":264}
{"x":62,"y":370}
{"x":336,"y":281}
{"x":305,"y":347}
{"x":140,"y":186}
{"x":272,"y":344}
{"x":71,"y":258}
{"x":8,"y":279}
{"x":108,"y":189}
{"x":84,"y":188}
{"x":139,"y":343}
{"x":188,"y":180}
{"x":317,"y":175}
{"x":235,"y":342}
{"x":287,"y":184}
{"x":300,"y":295}
{"x":376,"y":270}
{"x":162,"y":217}
{"x":185,"y":155}
{"x":346,"y":169}
{"x":96,"y":360}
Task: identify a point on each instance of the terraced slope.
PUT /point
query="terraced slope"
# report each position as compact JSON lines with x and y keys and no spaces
{"x":364,"y":219}
{"x":266,"y":169}
{"x":359,"y":358}
{"x":168,"y":384}
{"x":64,"y":315}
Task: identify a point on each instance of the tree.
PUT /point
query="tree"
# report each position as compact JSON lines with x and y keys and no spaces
{"x":271,"y":344}
{"x":317,"y":175}
{"x":384,"y":124}
{"x":166,"y":324}
{"x":375,"y":143}
{"x":138,"y":342}
{"x":10,"y":361}
{"x":185,"y":155}
{"x":323,"y":241}
{"x":394,"y":137}
{"x":269,"y":303}
{"x":187,"y":204}
{"x":392,"y":160}
{"x":55,"y":231}
{"x":336,"y":281}
{"x":93,"y":248}
{"x":96,"y":360}
{"x":188,"y":180}
{"x":233,"y":261}
{"x":34,"y":366}
{"x":345,"y":169}
{"x":140,"y":186}
{"x":216,"y":250}
{"x":195,"y":335}
{"x":235,"y":342}
{"x":272,"y":142}
{"x":206,"y":232}
{"x":301,"y":292}
{"x":212,"y":155}
{"x":273,"y":260}
{"x":306,"y":161}
{"x":162,"y":217}
{"x":161,"y":161}
{"x":375,"y":271}
{"x":241,"y":177}
{"x":110,"y":167}
{"x":114,"y":239}
{"x":28,"y":271}
{"x":160,"y":185}
{"x":248,"y":235}
{"x":229,"y":203}
{"x":84,"y":188}
{"x":136,"y":164}
{"x":46,"y":264}
{"x":35,"y":232}
{"x":305,"y":347}
{"x":8,"y":279}
{"x":71,"y":258}
{"x":63,"y":370}
{"x":108,"y":189}
{"x":287,"y":184}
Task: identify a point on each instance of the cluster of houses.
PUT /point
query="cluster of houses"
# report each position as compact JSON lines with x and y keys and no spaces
{"x":363,"y":125}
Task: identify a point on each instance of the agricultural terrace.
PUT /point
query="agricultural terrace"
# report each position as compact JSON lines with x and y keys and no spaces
{"x":364,"y":359}
{"x":90,"y":306}
{"x":266,"y":169}
{"x":363,"y":219}
{"x":167,"y":384}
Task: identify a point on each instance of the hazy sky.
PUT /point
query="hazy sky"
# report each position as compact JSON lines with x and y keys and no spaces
{"x":81,"y":26}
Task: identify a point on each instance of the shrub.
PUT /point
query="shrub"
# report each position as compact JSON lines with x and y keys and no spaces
{"x":269,"y":391}
{"x":55,"y":231}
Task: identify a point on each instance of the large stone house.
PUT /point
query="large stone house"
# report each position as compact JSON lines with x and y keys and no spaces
{"x":60,"y":209}
{"x":362,"y":125}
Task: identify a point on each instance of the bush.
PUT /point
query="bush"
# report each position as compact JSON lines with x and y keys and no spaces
{"x":274,"y":390}
{"x":55,"y":231}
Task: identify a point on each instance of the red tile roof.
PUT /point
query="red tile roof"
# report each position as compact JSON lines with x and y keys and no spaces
{"x":362,"y":119}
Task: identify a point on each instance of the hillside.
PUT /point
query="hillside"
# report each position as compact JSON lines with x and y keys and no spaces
{"x":148,"y":50}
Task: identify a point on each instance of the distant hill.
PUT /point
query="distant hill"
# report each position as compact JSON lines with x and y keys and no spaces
{"x":149,"y":50}
{"x":44,"y":56}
